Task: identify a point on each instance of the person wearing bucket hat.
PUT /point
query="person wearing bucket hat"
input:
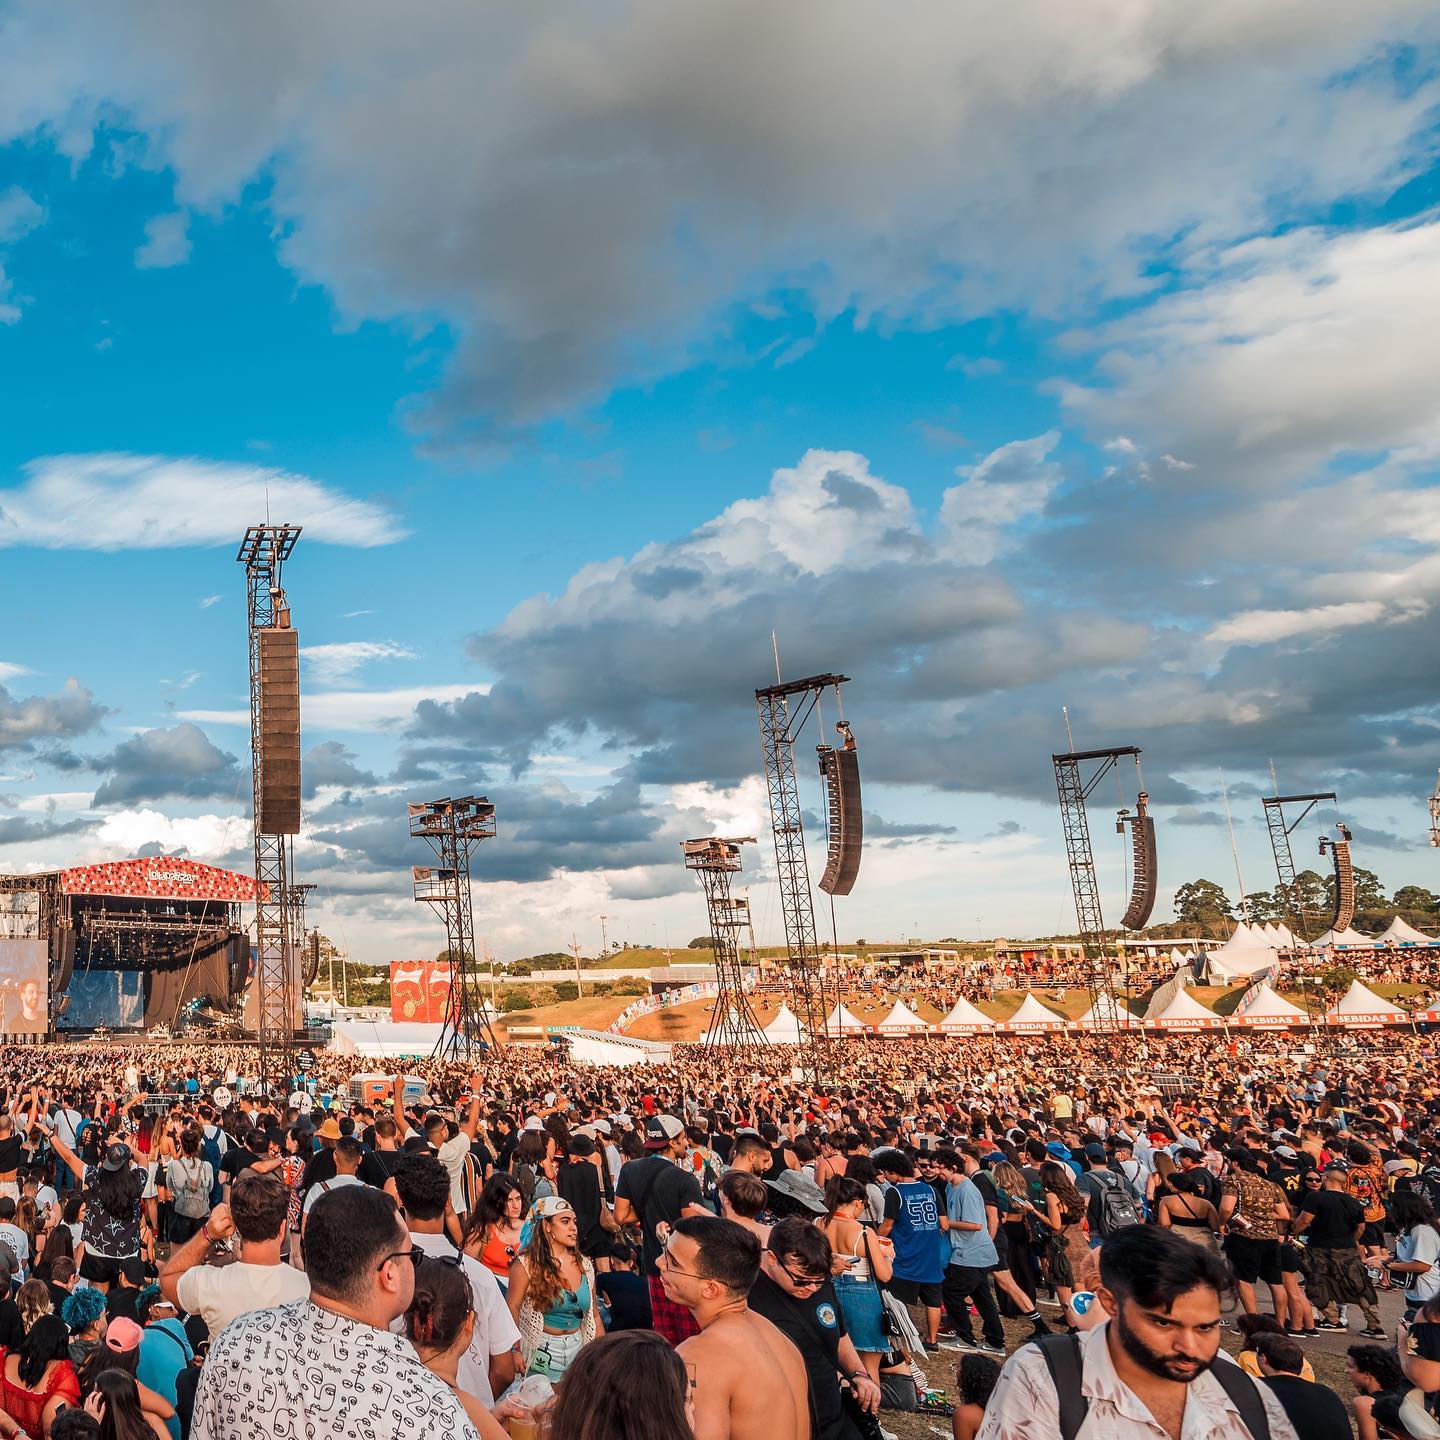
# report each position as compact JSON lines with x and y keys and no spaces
{"x":793,"y":1192}
{"x":655,"y":1192}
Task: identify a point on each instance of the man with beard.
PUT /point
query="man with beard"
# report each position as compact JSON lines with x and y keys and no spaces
{"x":1150,"y":1369}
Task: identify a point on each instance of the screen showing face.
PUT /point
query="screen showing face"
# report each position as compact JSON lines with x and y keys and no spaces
{"x":24,"y":987}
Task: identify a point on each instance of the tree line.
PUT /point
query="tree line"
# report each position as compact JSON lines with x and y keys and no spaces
{"x":1206,"y":907}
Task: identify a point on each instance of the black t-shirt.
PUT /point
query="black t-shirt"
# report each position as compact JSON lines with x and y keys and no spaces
{"x":628,"y":1297}
{"x":1336,"y":1217}
{"x":121,"y":1302}
{"x":815,"y":1325}
{"x":1423,"y":1341}
{"x":235,"y":1160}
{"x":377,"y":1166}
{"x":1315,"y":1410}
{"x":11,"y":1150}
{"x":659,"y":1190}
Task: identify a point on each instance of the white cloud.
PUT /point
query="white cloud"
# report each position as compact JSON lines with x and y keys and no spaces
{"x":336,"y":663}
{"x":1281,"y":354}
{"x":19,"y":214}
{"x":1267,"y":627}
{"x":206,"y":837}
{"x":12,"y":672}
{"x":72,"y":800}
{"x":150,"y":502}
{"x":1006,"y":155}
{"x":1007,"y":486}
{"x":167,"y":242}
{"x":209,"y":600}
{"x":350,"y":709}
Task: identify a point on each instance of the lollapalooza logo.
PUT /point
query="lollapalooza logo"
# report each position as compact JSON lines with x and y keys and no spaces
{"x":173,"y":877}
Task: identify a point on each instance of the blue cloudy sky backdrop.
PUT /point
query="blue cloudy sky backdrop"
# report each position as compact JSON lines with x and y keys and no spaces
{"x":1002,"y":357}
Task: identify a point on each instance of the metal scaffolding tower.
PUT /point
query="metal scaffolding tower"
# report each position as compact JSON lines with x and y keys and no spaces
{"x":1074,"y":789}
{"x":452,"y":828}
{"x":779,"y":728}
{"x":715,"y":861}
{"x":1280,"y":833}
{"x":263,"y":553}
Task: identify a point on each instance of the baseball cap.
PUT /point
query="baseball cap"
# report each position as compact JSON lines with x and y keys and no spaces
{"x":603,"y":1126}
{"x":122,"y":1335}
{"x":1095,"y":1151}
{"x":117,"y":1156}
{"x":1285,"y":1152}
{"x":661,"y":1131}
{"x":1396,"y":1167}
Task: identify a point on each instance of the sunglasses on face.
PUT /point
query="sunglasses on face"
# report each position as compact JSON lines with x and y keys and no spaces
{"x":414,"y":1252}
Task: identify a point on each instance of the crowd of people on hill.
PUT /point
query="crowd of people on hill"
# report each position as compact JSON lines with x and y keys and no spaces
{"x":1029,"y":1236}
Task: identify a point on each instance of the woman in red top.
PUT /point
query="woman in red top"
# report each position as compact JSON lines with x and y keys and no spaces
{"x":38,"y":1379}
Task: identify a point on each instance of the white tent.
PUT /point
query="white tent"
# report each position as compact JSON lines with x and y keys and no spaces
{"x":380,"y":1038}
{"x":784,"y":1029}
{"x":1107,"y":1014}
{"x":902,"y":1020}
{"x":1284,"y":936}
{"x":746,"y":1034}
{"x":1180,"y":957}
{"x":1240,"y":964}
{"x":1260,"y":1006}
{"x":1347,"y":936}
{"x":1032,"y":1016}
{"x":1361,"y":1008}
{"x":1398,"y":932}
{"x":841,"y":1022}
{"x":1185,"y":1012}
{"x":965,"y":1019}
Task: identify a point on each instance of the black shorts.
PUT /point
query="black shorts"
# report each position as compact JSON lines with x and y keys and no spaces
{"x":1254,"y":1260}
{"x":1373,"y":1235}
{"x":916,"y":1292}
{"x":1290,"y":1259}
{"x":102,"y":1270}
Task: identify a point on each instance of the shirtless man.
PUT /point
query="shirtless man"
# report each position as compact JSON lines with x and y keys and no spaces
{"x":750,"y":1382}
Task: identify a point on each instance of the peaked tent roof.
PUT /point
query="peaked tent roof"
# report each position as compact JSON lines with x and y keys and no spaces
{"x":902,"y":1020}
{"x":1284,"y":935}
{"x":1243,"y":963}
{"x":1185,"y":1012}
{"x":1360,"y":1005}
{"x":1107,"y":1014}
{"x":1032,"y":1015}
{"x":1401,"y":932}
{"x":1267,"y":1008}
{"x":784,"y":1029}
{"x":1348,"y":936}
{"x":841,"y":1022}
{"x":965,"y":1018}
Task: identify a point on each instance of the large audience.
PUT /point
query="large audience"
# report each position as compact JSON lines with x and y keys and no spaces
{"x":1019,"y":1237}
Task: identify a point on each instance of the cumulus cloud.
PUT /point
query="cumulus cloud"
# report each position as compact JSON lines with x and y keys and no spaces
{"x":19,"y":214}
{"x":217,"y":839}
{"x":167,"y":242}
{"x":150,"y":502}
{"x":179,"y":762}
{"x":63,"y":716}
{"x":331,"y":763}
{"x":1009,"y":485}
{"x":579,"y":200}
{"x":354,"y":710}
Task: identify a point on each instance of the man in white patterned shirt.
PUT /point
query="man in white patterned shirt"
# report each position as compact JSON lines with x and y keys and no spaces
{"x":328,"y":1367}
{"x":1151,"y":1371}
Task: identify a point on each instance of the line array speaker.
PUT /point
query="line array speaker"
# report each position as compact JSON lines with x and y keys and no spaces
{"x":1344,"y":911}
{"x":1142,"y":886}
{"x":841,"y":771}
{"x":279,"y":732}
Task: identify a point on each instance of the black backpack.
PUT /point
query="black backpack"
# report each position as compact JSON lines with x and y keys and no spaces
{"x":1115,"y":1203}
{"x":1064,"y":1362}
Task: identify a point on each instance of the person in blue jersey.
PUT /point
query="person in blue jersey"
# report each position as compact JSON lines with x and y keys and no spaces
{"x":919,"y":1264}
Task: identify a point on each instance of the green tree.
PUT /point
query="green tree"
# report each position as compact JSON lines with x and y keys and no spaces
{"x":1369,"y":892}
{"x":567,"y":990}
{"x":701,"y":942}
{"x":1202,"y":902}
{"x":630,"y":985}
{"x":519,"y":967}
{"x":1262,"y":908}
{"x":1417,"y":899}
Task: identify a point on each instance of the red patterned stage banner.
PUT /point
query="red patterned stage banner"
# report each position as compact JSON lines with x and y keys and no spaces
{"x":159,"y":877}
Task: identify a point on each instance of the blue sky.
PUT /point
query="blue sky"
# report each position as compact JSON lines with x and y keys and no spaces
{"x":1001,"y":368}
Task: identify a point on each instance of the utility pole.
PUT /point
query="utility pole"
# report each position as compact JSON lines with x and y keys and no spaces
{"x":575,"y":950}
{"x":604,"y":937}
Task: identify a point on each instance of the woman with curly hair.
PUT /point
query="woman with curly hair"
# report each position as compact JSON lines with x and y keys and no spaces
{"x":552,"y":1290}
{"x":492,"y":1229}
{"x":83,"y":1312}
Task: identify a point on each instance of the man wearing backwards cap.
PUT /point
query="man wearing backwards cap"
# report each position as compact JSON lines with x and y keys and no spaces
{"x":656,"y":1192}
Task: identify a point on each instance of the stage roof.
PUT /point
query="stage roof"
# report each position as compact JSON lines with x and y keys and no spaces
{"x":159,"y":877}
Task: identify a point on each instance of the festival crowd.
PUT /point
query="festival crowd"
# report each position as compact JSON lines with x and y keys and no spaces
{"x":1022,"y":1237}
